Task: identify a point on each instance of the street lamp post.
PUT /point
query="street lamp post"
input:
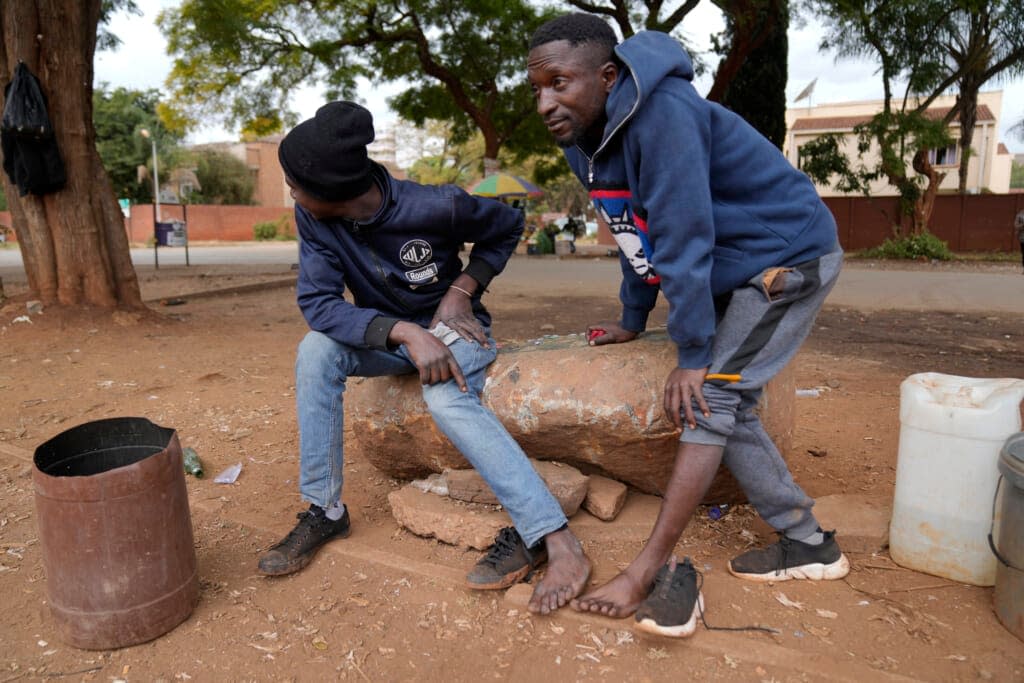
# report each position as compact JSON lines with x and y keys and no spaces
{"x":156,"y":195}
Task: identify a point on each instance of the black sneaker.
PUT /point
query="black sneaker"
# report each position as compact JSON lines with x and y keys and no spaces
{"x":507,"y":561}
{"x":300,"y":545}
{"x":674,"y":603}
{"x":788,"y":559}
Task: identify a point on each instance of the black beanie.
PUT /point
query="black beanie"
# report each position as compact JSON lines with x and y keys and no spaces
{"x":326,"y":155}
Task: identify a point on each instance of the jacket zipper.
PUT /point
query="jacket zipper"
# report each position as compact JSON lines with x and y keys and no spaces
{"x":636,"y":105}
{"x":388,"y":289}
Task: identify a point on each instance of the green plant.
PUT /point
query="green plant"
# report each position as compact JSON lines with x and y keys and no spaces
{"x":280,"y":229}
{"x":265,"y":230}
{"x":923,"y":245}
{"x":545,"y":245}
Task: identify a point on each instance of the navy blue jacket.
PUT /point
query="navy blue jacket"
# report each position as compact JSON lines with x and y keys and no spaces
{"x":398,"y":265}
{"x":698,"y":200}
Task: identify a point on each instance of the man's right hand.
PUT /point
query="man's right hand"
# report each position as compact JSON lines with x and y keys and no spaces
{"x":431,"y":357}
{"x":608,"y":332}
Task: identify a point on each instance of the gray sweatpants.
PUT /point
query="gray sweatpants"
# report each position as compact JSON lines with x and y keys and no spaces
{"x":759,"y":329}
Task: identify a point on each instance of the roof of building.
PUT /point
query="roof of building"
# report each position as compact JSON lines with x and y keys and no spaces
{"x":848,"y":122}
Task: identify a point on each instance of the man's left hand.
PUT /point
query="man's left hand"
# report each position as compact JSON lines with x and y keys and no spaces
{"x":682,"y":388}
{"x":456,"y":311}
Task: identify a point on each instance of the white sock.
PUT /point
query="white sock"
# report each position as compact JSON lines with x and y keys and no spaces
{"x":816,"y":538}
{"x":335,"y":512}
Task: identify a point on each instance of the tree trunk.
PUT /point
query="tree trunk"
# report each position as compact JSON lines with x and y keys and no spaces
{"x":967,"y":104}
{"x":925,"y":202}
{"x":73,"y":242}
{"x":753,"y":23}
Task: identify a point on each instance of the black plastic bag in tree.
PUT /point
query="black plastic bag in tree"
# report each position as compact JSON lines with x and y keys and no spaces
{"x":25,"y":106}
{"x":31,"y":157}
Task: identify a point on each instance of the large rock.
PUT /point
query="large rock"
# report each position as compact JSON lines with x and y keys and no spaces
{"x":596,"y":408}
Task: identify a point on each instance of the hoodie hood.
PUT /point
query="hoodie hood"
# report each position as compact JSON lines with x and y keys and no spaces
{"x":649,"y":57}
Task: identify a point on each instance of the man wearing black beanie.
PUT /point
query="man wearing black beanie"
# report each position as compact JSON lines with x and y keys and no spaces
{"x":411,"y":307}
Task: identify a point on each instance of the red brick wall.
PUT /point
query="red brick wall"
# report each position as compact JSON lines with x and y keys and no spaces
{"x":207,"y":222}
{"x":966,"y":222}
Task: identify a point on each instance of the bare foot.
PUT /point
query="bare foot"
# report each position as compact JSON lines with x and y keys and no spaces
{"x":618,"y":598}
{"x":566,"y":574}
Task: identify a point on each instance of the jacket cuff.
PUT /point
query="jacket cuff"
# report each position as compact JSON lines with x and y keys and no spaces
{"x":634,"y":319}
{"x":377,"y":332}
{"x":482,"y":272}
{"x":693,"y":357}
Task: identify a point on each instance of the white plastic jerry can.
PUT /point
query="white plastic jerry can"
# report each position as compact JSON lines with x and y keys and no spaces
{"x":951,"y":432}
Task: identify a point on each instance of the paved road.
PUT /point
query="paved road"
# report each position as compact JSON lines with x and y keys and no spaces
{"x":860,"y":286}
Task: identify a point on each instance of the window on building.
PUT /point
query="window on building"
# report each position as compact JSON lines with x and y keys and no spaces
{"x":945,"y":156}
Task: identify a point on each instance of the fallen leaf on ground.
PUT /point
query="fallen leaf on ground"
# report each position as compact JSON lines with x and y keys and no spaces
{"x":781,"y":597}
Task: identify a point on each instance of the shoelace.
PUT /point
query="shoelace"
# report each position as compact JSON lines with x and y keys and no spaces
{"x":303,"y":528}
{"x":667,"y":582}
{"x":784,"y":542}
{"x":704,"y":620}
{"x":504,"y":545}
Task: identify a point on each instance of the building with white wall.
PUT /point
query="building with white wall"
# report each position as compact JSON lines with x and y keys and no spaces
{"x":988,"y":168}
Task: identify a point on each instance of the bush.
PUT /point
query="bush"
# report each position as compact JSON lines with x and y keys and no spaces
{"x":265,"y":230}
{"x":545,"y":245}
{"x":922,"y":246}
{"x":273,"y":230}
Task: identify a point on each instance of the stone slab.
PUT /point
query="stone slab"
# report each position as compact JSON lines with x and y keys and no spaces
{"x":566,"y":483}
{"x":451,"y":521}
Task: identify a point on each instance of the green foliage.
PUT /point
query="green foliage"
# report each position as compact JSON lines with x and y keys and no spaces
{"x":118,"y":116}
{"x":450,"y":161}
{"x":1017,"y":175}
{"x":105,"y":40}
{"x":264,"y":230}
{"x":545,"y":245}
{"x":3,"y":198}
{"x":758,"y":90}
{"x":272,"y":230}
{"x":923,"y":245}
{"x":241,"y":61}
{"x":822,"y":158}
{"x":223,"y":178}
{"x":931,"y":46}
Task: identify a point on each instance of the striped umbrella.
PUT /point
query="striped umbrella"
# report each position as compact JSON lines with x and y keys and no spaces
{"x":505,"y":185}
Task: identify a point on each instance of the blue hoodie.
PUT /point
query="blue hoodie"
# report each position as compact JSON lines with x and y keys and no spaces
{"x":698,"y":200}
{"x":400,"y":263}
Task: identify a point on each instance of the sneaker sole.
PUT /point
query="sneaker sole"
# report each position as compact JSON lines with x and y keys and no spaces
{"x":810,"y":572}
{"x":504,"y":582}
{"x":301,"y":562}
{"x":679,"y":631}
{"x":509,"y":579}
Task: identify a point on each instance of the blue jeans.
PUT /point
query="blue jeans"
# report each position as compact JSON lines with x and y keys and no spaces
{"x":321,"y":370}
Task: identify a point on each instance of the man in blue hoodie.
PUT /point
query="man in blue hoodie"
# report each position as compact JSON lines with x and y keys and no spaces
{"x":708,"y":212}
{"x":413,"y":308}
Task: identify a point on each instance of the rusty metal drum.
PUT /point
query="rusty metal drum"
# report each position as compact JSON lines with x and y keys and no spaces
{"x":115,"y":532}
{"x":1008,"y":595}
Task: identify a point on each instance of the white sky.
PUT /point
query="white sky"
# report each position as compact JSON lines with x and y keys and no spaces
{"x":141,"y":62}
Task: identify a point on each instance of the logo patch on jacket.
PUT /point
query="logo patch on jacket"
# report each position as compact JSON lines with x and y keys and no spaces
{"x":415,"y":254}
{"x":628,"y":229}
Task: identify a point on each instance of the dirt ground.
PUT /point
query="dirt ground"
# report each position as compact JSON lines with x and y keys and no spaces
{"x":386,"y":605}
